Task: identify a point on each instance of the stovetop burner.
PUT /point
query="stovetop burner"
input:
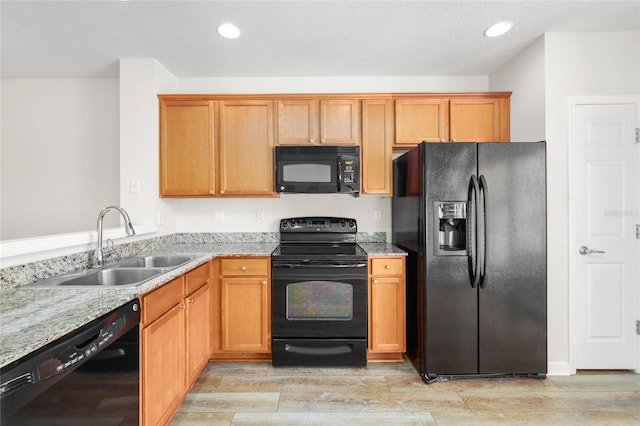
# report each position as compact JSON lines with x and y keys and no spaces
{"x":316,"y":251}
{"x":331,"y":238}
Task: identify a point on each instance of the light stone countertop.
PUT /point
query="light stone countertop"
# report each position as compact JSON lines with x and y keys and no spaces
{"x":382,"y":249}
{"x":31,"y":317}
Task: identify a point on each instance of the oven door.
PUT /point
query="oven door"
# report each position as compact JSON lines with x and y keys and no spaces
{"x":319,"y":299}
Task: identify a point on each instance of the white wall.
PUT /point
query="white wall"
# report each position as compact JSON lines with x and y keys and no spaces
{"x":576,"y":65}
{"x":543,"y":77}
{"x":140,"y":82}
{"x":59,"y":155}
{"x":524,"y":76}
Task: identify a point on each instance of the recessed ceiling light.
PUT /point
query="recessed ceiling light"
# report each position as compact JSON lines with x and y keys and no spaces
{"x":498,"y":29}
{"x":228,"y":31}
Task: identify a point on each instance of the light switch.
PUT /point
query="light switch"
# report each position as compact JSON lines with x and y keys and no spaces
{"x":134,"y":186}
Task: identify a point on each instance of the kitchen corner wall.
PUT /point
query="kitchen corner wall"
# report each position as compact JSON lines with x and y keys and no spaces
{"x":543,"y":77}
{"x":142,"y":79}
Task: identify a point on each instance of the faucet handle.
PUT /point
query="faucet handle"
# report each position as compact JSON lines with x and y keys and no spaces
{"x":109,"y":248}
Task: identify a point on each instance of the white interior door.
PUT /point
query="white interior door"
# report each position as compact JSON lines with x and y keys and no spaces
{"x":605,"y":193}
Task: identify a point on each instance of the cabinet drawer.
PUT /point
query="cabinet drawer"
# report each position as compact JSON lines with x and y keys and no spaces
{"x":197,"y":278}
{"x":387,"y":266}
{"x":161,"y":300}
{"x":245,"y":266}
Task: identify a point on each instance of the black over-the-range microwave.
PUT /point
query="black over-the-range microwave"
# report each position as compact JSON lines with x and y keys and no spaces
{"x":317,"y":169}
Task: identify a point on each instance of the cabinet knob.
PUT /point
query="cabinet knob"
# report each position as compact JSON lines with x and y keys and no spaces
{"x":375,"y":281}
{"x":364,"y":190}
{"x":190,"y":300}
{"x":442,"y":140}
{"x":312,"y":140}
{"x":243,"y":268}
{"x":454,"y":140}
{"x":264,"y":282}
{"x":222,"y":192}
{"x":387,"y":266}
{"x":323,"y":141}
{"x":182,"y":306}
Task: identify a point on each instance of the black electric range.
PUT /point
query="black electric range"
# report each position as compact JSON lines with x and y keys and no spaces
{"x":319,"y":294}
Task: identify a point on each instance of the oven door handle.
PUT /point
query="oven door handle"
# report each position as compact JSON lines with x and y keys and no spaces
{"x":311,"y":264}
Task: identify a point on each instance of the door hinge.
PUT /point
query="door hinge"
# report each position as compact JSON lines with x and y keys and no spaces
{"x":638,"y":327}
{"x":637,"y":135}
{"x":637,"y":232}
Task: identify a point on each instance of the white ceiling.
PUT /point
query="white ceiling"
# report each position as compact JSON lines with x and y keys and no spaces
{"x":45,"y":39}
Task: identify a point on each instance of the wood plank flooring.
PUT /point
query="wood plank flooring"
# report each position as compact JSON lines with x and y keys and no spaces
{"x":394,"y":394}
{"x":380,"y":394}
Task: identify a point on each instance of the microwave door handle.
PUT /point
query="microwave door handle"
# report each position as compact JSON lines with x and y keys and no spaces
{"x":339,"y":164}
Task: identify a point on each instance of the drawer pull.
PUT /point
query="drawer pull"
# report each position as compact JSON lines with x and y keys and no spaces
{"x":243,"y":268}
{"x":387,"y":266}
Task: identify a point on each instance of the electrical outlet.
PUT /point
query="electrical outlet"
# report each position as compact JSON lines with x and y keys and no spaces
{"x":160,"y":218}
{"x":259,"y":215}
{"x":377,"y":215}
{"x":217,"y":216}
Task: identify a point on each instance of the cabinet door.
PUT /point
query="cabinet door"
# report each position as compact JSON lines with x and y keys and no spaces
{"x":421,"y":119}
{"x":245,"y":315}
{"x":477,"y":120}
{"x":186,"y":148}
{"x":340,"y":121}
{"x":246,"y":148}
{"x":297,"y":122}
{"x":198,"y":332}
{"x":386,"y":329}
{"x":162,"y":367}
{"x":377,"y":139}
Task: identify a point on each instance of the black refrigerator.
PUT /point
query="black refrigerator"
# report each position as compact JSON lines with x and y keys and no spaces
{"x":472,"y":218}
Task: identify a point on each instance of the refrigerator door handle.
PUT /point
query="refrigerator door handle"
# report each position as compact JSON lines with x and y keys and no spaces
{"x":472,"y":242}
{"x":482,"y":231}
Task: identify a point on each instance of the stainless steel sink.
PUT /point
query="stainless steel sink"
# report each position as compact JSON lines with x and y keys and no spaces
{"x":128,"y":272}
{"x":155,"y":261}
{"x":114,"y":277}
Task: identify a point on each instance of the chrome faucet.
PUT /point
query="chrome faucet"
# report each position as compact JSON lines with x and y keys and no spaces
{"x":98,"y":256}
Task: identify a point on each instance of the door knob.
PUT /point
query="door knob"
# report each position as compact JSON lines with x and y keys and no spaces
{"x":584,"y":250}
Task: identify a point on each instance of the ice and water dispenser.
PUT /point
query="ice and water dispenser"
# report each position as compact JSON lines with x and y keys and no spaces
{"x":451,"y":228}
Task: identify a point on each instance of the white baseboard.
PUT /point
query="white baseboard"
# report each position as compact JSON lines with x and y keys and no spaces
{"x":559,"y":368}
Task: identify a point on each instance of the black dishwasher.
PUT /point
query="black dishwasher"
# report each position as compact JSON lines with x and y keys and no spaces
{"x":66,"y":379}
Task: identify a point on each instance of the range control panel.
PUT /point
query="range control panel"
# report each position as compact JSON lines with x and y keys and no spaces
{"x":318,"y":224}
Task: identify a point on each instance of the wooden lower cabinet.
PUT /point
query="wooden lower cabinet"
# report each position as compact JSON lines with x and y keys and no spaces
{"x":174,"y":343}
{"x":387,"y":309}
{"x":242,"y":309}
{"x":161,"y":367}
{"x":198,"y":332}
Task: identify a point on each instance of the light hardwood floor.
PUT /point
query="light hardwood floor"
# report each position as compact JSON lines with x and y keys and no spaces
{"x":394,"y":394}
{"x":380,"y":394}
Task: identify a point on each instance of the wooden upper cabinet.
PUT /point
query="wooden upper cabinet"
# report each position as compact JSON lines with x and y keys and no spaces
{"x":318,"y":121}
{"x":297,"y":122}
{"x":340,"y":121}
{"x":246,"y":148}
{"x":463,"y":117}
{"x":186,"y":148}
{"x":377,"y":141}
{"x":479,"y":120}
{"x":421,"y":119}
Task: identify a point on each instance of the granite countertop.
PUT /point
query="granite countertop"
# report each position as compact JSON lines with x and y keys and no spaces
{"x":382,"y":249}
{"x":32,"y":317}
